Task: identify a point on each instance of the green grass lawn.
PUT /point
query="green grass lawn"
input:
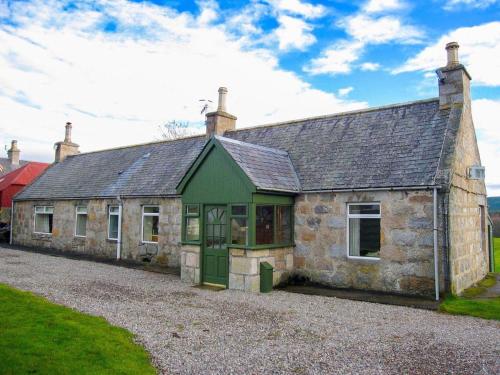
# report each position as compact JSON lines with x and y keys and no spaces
{"x":469,"y":304}
{"x":39,"y":337}
{"x":496,"y":245}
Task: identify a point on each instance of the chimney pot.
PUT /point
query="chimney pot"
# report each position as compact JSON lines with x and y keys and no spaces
{"x":222,"y":99}
{"x":452,"y":50}
{"x":67,"y":136}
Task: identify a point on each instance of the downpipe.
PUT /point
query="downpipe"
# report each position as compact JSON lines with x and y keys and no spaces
{"x":119,"y":242}
{"x":435,"y":230}
{"x":11,"y":221}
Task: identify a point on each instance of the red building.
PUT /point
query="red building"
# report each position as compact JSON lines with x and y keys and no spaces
{"x":12,"y":182}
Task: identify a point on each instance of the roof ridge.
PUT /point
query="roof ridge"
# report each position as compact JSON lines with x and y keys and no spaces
{"x":356,"y":111}
{"x":275,"y":150}
{"x":140,"y":144}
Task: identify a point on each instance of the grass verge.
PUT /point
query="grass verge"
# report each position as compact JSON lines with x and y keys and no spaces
{"x":39,"y":337}
{"x":471,"y":303}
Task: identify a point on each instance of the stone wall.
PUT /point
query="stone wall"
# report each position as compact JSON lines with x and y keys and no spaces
{"x":469,"y":260}
{"x":244,"y":267}
{"x":406,"y":257}
{"x":166,"y":252}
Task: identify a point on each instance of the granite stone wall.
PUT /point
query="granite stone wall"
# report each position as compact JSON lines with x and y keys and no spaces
{"x":469,"y":259}
{"x":406,"y":263}
{"x":166,"y":252}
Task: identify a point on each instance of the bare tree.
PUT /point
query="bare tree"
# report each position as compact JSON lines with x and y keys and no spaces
{"x":174,"y":129}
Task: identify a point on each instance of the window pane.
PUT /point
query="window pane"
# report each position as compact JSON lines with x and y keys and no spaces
{"x":151,"y":210}
{"x":283,"y":224}
{"x":113,"y":209}
{"x":150,"y":229}
{"x":364,"y":237}
{"x":192,"y":229}
{"x":81,"y":225}
{"x":239,"y":230}
{"x":239,"y":210}
{"x":264,"y":226}
{"x":113,"y":227}
{"x":192,"y":209}
{"x":81,"y":210}
{"x":43,"y":223}
{"x":364,"y":209}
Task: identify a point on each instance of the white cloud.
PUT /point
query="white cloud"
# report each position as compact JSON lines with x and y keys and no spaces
{"x":479,"y":52}
{"x":294,"y":33}
{"x":485,"y":113}
{"x":345,"y":91}
{"x":336,"y":59}
{"x":378,"y":30}
{"x":370,"y":66}
{"x":297,"y":7}
{"x":459,"y":4}
{"x":117,"y":88}
{"x":375,"y":6}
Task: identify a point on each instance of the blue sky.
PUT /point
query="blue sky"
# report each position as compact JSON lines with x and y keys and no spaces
{"x":118,"y":69}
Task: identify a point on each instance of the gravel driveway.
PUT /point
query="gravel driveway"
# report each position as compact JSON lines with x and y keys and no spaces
{"x":188,"y":330}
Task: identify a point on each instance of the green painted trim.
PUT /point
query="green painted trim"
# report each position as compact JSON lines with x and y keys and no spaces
{"x":213,"y":143}
{"x":273,"y":199}
{"x":183,"y":225}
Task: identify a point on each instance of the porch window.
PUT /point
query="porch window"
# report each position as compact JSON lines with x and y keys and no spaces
{"x":239,"y":225}
{"x":192,"y":222}
{"x":113,"y":220}
{"x":81,"y":221}
{"x":43,"y":219}
{"x":273,"y":225}
{"x":264,"y":225}
{"x":150,"y":220}
{"x":363,"y":233}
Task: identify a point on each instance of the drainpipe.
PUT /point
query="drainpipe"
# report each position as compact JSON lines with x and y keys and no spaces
{"x":11,"y":221}
{"x":436,"y":270}
{"x":119,"y":242}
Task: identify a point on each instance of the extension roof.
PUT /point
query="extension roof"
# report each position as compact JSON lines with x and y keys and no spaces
{"x":401,"y":145}
{"x":7,"y":167}
{"x":22,"y":175}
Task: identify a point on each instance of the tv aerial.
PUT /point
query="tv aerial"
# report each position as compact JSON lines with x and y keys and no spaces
{"x":206,"y":105}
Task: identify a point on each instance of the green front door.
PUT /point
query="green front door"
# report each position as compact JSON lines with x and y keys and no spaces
{"x":215,"y":253}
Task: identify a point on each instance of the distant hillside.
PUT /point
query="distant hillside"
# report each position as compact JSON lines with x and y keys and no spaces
{"x":494,"y":204}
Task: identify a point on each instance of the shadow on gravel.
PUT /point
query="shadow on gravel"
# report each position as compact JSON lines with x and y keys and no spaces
{"x":93,"y":258}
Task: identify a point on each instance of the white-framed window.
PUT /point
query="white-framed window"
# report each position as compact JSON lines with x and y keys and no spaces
{"x":363,"y":230}
{"x":113,"y":222}
{"x":81,"y":221}
{"x":43,"y":219}
{"x":150,"y":223}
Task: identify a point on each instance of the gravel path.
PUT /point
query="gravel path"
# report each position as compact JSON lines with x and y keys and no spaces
{"x":188,"y":330}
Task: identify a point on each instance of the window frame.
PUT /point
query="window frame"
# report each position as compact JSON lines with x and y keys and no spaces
{"x":157,"y":214}
{"x":185,"y":216}
{"x":118,"y":213}
{"x":247,"y":217}
{"x":76,"y":220}
{"x":43,"y":213}
{"x":361,"y":216}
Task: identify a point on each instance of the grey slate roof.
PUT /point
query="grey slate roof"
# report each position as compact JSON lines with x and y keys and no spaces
{"x":7,"y":167}
{"x":145,"y":170}
{"x":393,"y":146}
{"x":267,"y":168}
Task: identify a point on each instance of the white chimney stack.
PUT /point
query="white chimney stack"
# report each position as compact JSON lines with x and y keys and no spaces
{"x":222,"y":99}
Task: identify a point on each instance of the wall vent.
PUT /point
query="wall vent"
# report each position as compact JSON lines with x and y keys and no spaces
{"x":475,"y":173}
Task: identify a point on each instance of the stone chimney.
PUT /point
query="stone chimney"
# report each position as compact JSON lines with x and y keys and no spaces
{"x":14,"y":154}
{"x":219,"y":121}
{"x":66,"y":147}
{"x":454,"y":80}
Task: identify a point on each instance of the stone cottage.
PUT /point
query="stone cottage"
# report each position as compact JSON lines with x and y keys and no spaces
{"x":386,"y":199}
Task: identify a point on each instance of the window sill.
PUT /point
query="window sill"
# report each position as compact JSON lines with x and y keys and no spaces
{"x":190,"y":243}
{"x":259,"y":247}
{"x":368,"y":259}
{"x":149,"y":243}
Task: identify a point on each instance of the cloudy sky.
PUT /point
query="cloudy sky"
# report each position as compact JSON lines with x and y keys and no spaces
{"x":119,"y":69}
